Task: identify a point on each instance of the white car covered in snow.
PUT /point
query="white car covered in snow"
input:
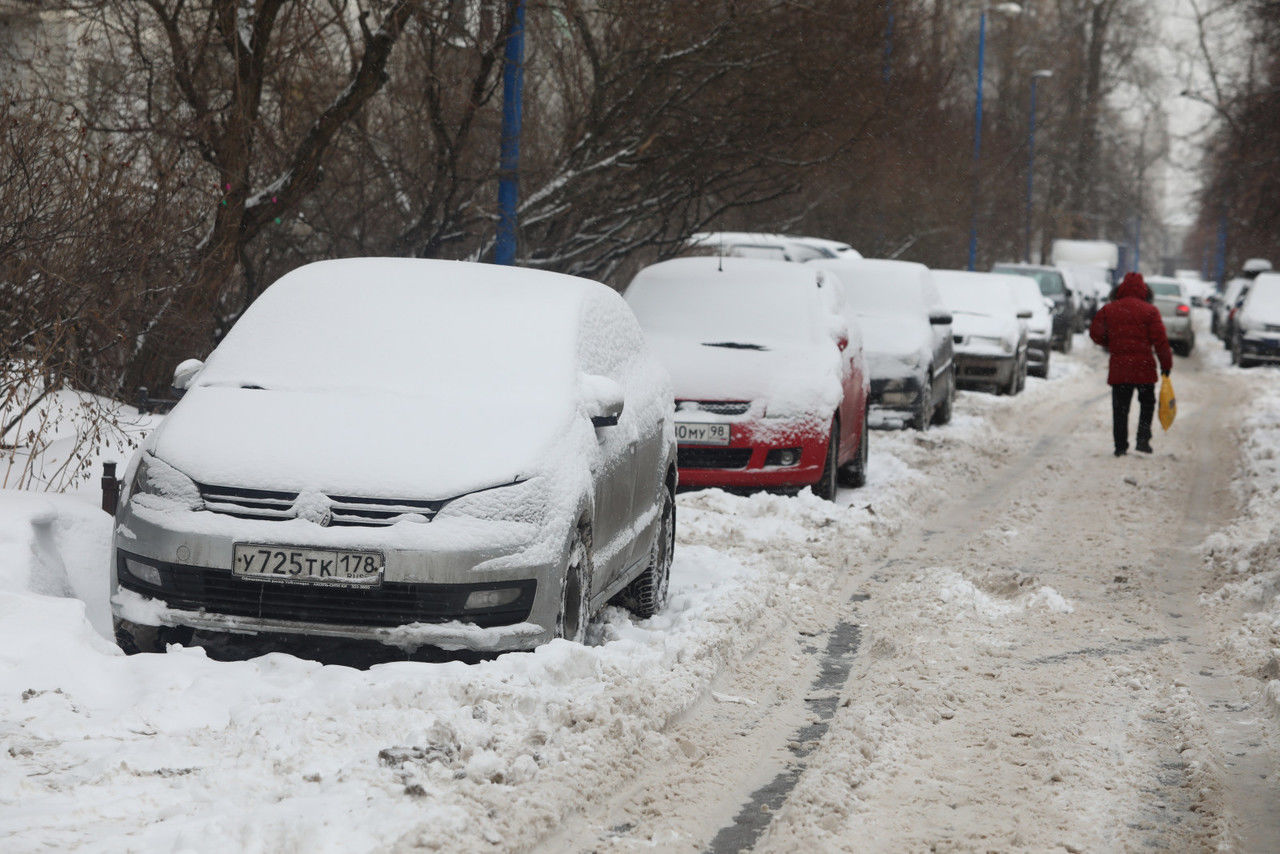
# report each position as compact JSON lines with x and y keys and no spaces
{"x":420,"y":453}
{"x":906,"y":336}
{"x":1038,"y":319}
{"x":988,"y":329}
{"x":1256,"y":338}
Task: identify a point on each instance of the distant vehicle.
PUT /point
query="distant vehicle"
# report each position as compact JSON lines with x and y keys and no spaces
{"x":1225,"y":308}
{"x":776,"y":247}
{"x":1172,"y":298}
{"x":414,"y":452}
{"x":906,"y":334}
{"x":1093,"y":263}
{"x":770,"y":382}
{"x":1197,"y":288}
{"x":988,"y":328}
{"x":1256,"y":336}
{"x":1053,"y":285}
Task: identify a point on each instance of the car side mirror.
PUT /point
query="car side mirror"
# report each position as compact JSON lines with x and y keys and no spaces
{"x":1025,"y":314}
{"x":940,"y":318}
{"x":1067,"y":292}
{"x":602,"y":400}
{"x":185,"y":373}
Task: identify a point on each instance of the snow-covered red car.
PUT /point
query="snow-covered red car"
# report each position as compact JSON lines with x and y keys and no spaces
{"x":420,"y":453}
{"x":770,"y":384}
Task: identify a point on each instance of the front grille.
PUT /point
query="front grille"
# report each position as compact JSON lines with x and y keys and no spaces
{"x":692,"y":457}
{"x":716,"y":407}
{"x":269,"y":504}
{"x":1271,"y":327}
{"x":978,"y":371}
{"x":218,"y":591}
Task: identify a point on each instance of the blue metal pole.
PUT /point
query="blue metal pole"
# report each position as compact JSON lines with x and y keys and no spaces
{"x":1137,"y":242}
{"x":1031,"y":165}
{"x":977,"y":141}
{"x":504,"y":251}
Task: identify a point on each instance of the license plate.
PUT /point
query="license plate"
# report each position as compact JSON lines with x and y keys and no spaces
{"x":310,"y":566}
{"x":688,"y":433}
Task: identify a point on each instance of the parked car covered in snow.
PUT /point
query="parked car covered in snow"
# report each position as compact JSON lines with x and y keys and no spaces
{"x":420,"y":453}
{"x":770,"y":385}
{"x":988,"y":328}
{"x":1173,"y":298}
{"x":776,"y":247}
{"x":906,"y":336}
{"x":1053,"y":285}
{"x":1256,"y":337}
{"x":1225,"y":305}
{"x":1039,"y":326}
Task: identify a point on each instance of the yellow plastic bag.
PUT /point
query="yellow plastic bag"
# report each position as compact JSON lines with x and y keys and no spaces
{"x":1168,"y":403}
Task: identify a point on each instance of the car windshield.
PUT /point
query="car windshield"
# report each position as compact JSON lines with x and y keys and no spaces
{"x":1050,"y":281}
{"x":967,"y":293}
{"x":1165,"y":289}
{"x":723,"y":303}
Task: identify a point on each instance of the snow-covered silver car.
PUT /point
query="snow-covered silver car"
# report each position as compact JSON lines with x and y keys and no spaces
{"x":1173,"y":298}
{"x":420,"y":453}
{"x":989,"y":330}
{"x":906,"y":337}
{"x":1256,"y":334}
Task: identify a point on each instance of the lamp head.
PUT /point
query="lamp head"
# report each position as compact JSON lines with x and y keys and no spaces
{"x":1008,"y":8}
{"x":1042,"y":73}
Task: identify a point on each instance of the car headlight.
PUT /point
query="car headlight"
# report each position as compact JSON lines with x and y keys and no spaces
{"x":525,"y":501}
{"x":154,"y":476}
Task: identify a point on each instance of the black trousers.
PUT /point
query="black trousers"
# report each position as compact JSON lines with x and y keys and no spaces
{"x":1121,"y":397}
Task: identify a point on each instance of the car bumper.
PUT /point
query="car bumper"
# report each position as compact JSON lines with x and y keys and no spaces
{"x":1260,"y":349}
{"x":420,"y":601}
{"x":1063,"y":328}
{"x":1179,"y":329}
{"x":973,"y":370}
{"x":745,"y":462}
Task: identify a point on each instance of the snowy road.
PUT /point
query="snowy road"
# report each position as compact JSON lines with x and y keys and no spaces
{"x":1001,"y":643}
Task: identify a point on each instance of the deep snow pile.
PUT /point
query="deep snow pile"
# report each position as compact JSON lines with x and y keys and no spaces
{"x":1244,"y":558}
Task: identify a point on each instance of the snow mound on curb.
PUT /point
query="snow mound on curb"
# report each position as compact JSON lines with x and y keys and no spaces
{"x":993,"y":596}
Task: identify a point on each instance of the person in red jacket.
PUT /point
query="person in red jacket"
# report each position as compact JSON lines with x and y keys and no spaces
{"x":1130,"y":329}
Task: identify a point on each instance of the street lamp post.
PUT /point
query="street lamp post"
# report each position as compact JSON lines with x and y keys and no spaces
{"x":1036,"y":76}
{"x":504,"y":251}
{"x":1008,"y":9}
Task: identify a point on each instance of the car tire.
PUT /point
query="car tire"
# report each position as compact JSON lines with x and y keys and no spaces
{"x":942,"y":415}
{"x":647,"y":593}
{"x":1043,"y":371}
{"x":133,"y":638}
{"x":924,"y":408}
{"x":855,"y":473}
{"x":826,"y":485}
{"x":1067,"y":342}
{"x":575,"y":589}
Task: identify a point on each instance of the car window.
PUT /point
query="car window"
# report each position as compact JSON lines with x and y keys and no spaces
{"x":742,"y":250}
{"x":1050,"y":281}
{"x":1165,"y":289}
{"x":807,"y":253}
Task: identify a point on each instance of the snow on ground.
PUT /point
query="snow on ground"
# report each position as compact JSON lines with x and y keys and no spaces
{"x":178,"y":751}
{"x":1244,"y":559}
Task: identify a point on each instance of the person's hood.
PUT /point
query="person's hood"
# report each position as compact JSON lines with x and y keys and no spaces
{"x":1133,"y":286}
{"x":800,"y":378}
{"x":374,"y":444}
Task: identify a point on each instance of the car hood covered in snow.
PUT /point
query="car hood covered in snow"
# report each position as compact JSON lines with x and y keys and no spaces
{"x":895,"y":345}
{"x":968,"y":325}
{"x":387,"y":378}
{"x":795,"y":379}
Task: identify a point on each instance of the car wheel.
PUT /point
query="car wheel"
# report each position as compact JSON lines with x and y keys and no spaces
{"x":942,"y":415}
{"x":923,"y":413}
{"x":1043,"y":370}
{"x":575,"y":590}
{"x":133,"y":638}
{"x":826,"y":485}
{"x":647,"y":593}
{"x":1066,"y":342}
{"x":855,"y":473}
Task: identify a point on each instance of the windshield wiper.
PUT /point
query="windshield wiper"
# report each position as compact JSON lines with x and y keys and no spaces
{"x":734,"y":345}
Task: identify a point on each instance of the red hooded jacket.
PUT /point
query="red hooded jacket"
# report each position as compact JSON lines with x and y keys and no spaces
{"x":1130,"y":328}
